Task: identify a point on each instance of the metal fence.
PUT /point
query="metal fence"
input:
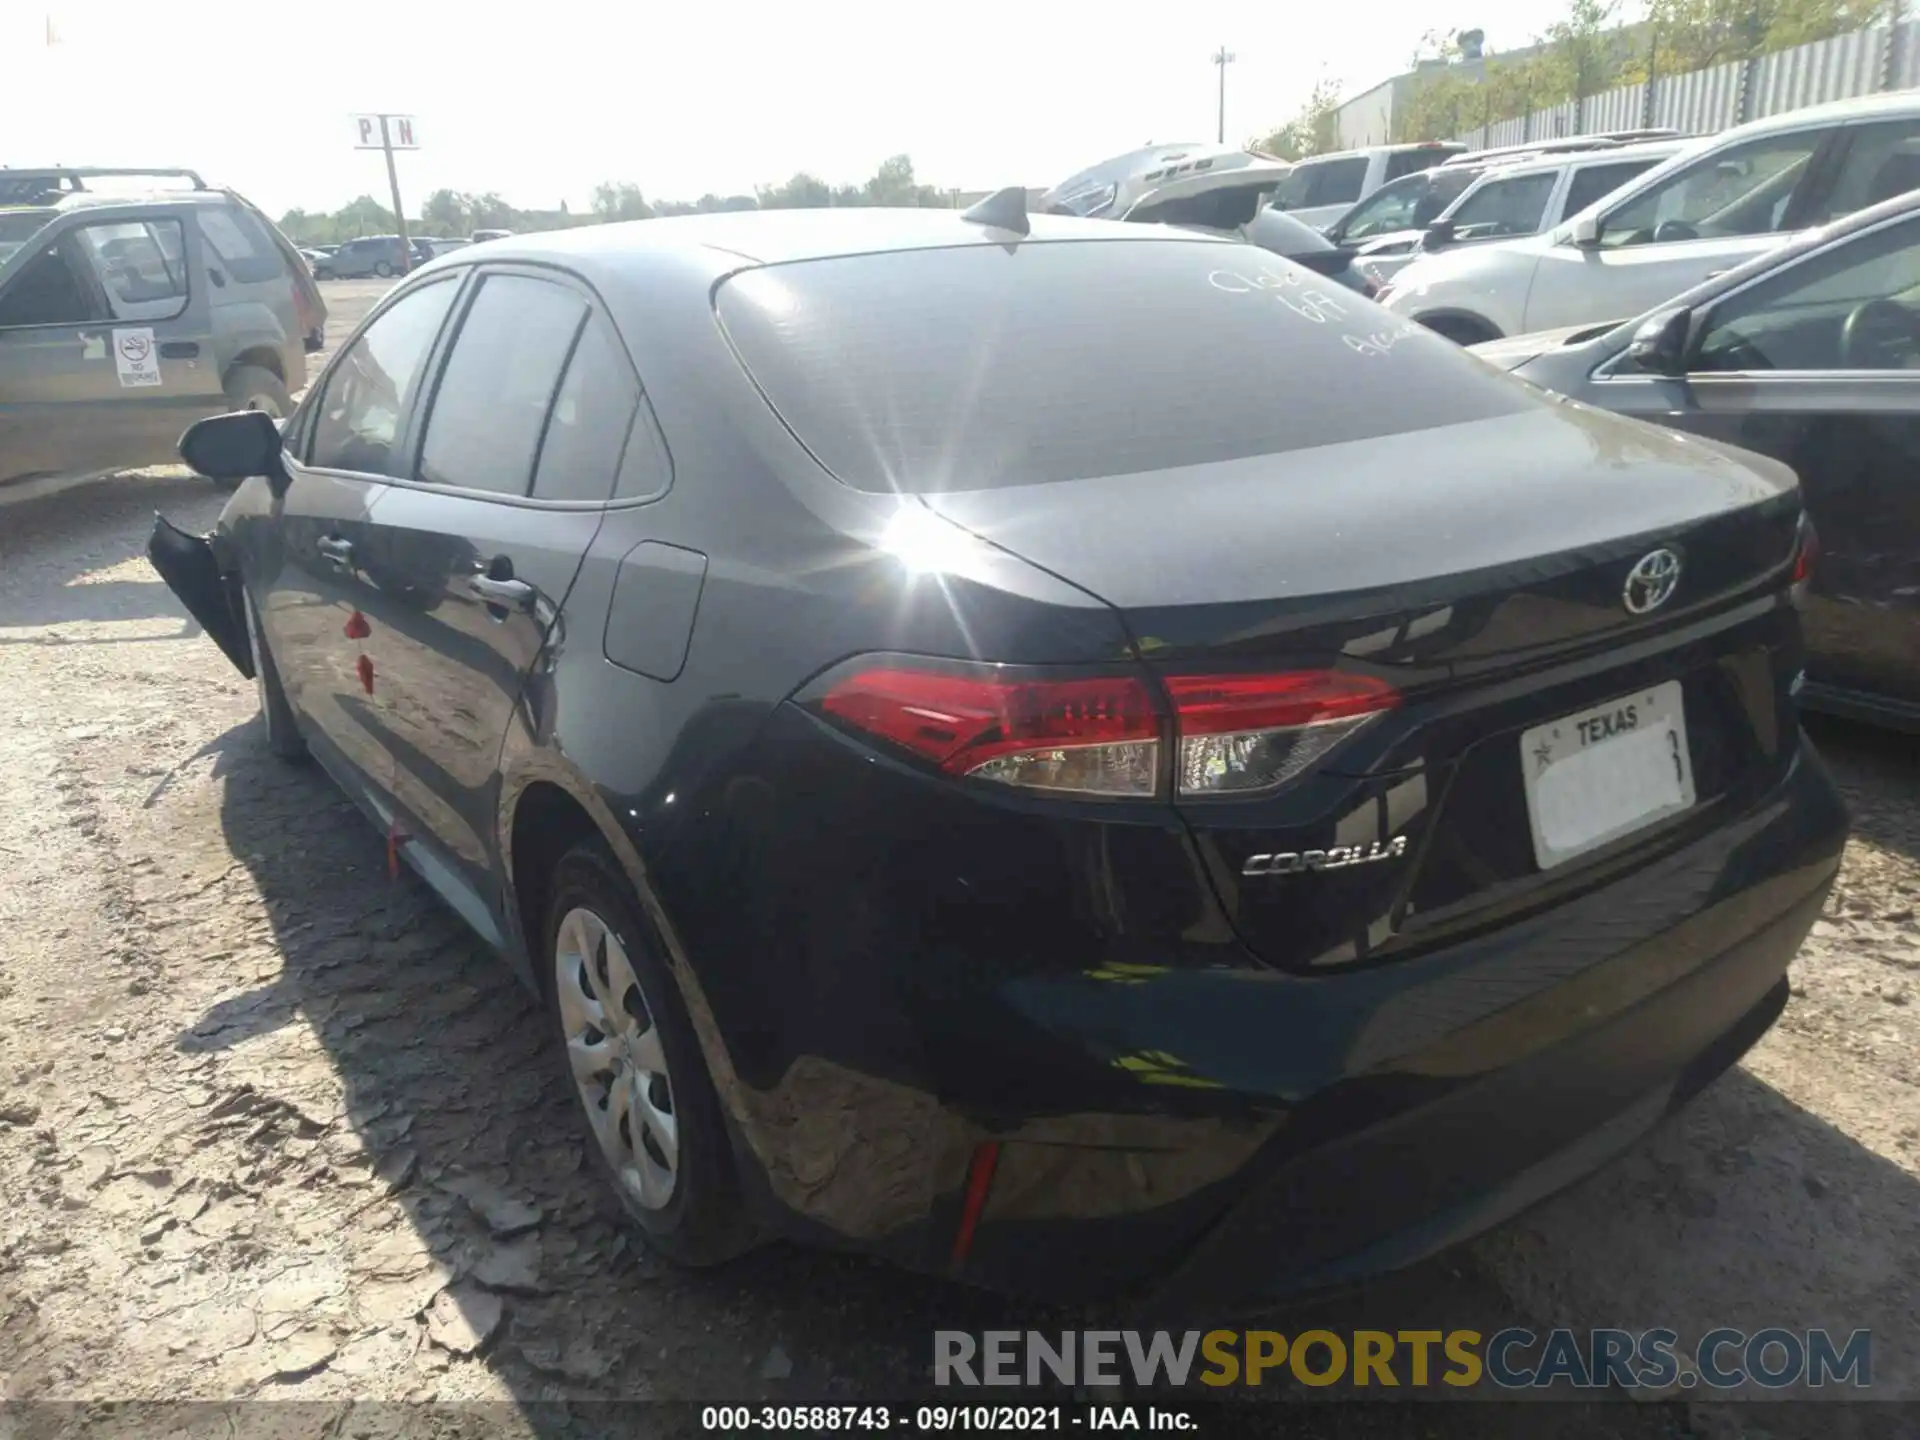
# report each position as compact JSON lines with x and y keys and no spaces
{"x":1882,"y":57}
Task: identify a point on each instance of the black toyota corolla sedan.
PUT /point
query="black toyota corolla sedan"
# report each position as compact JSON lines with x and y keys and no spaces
{"x":1076,"y":756}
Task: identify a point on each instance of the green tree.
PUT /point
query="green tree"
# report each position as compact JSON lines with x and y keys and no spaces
{"x":489,"y":212}
{"x":620,"y":201}
{"x":802,"y":192}
{"x":445,"y":213}
{"x":1585,"y":52}
{"x":1314,"y":131}
{"x":1696,"y":34}
{"x":893,"y":184}
{"x":364,"y":216}
{"x":1439,"y":106}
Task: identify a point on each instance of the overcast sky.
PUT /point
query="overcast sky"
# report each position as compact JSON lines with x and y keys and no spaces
{"x":540,"y":101}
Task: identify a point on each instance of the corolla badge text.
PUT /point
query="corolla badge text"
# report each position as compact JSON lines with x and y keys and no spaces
{"x":1339,"y":857}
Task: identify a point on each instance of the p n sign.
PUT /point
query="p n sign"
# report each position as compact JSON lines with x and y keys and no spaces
{"x":400,"y":132}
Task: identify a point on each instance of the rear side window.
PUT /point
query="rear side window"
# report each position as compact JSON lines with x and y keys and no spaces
{"x":1881,"y":161}
{"x":1596,"y":182}
{"x":247,"y":252}
{"x":591,"y":417}
{"x":1324,"y":182}
{"x":499,"y":384}
{"x":971,"y":368}
{"x":1408,"y":162}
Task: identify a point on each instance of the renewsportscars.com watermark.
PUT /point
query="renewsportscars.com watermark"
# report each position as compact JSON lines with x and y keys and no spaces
{"x":1511,"y":1359}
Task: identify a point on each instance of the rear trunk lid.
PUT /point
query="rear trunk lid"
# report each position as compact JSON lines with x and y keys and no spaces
{"x":1482,"y":571}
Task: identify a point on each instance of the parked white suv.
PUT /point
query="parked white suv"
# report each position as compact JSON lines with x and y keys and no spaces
{"x":1322,"y":189}
{"x":1718,"y":202}
{"x":1522,"y":197}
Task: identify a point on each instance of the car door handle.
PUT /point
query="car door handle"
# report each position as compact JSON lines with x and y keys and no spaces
{"x":180,"y":350}
{"x":515,"y":594}
{"x":339,"y":551}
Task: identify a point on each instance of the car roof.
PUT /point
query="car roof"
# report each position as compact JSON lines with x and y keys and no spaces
{"x":1452,"y":147}
{"x":1611,"y":155}
{"x":776,"y":237}
{"x":91,"y":200}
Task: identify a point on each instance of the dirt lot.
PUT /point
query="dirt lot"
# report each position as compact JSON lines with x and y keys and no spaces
{"x":271,"y":1124}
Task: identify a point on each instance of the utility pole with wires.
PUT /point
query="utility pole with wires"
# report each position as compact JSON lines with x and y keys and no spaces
{"x":1223,"y":57}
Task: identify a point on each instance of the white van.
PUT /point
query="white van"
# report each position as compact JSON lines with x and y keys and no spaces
{"x":1718,"y":202}
{"x":1322,"y":188}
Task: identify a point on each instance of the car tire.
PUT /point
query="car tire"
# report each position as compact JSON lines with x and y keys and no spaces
{"x":596,"y":942}
{"x":383,"y":270}
{"x":276,"y":711}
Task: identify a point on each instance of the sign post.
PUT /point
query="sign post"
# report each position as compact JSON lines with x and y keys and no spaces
{"x":388,"y":133}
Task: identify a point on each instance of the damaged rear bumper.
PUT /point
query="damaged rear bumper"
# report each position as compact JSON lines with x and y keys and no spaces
{"x":192,"y":571}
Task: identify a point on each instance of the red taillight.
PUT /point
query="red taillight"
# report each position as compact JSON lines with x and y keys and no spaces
{"x":1807,"y":555}
{"x":986,"y":1157}
{"x":1093,"y":736}
{"x":1103,"y":735}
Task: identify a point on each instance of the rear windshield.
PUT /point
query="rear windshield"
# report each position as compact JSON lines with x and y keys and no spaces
{"x":974,"y":367}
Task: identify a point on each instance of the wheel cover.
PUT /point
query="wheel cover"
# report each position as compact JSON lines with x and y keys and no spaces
{"x":619,"y":1065}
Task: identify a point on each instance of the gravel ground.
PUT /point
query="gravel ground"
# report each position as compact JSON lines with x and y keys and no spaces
{"x":273,"y":1125}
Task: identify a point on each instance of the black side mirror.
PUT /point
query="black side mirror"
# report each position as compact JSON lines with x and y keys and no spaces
{"x":236,"y":445}
{"x":1439,"y":233}
{"x":1660,"y":346}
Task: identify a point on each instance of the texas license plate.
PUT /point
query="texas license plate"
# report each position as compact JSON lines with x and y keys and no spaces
{"x":1603,"y":773}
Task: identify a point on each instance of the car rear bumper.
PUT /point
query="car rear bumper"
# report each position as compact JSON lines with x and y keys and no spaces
{"x":1434,"y":1176}
{"x":1206,"y":1134}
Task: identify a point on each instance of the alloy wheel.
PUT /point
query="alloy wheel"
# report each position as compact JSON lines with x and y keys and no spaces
{"x":619,"y":1065}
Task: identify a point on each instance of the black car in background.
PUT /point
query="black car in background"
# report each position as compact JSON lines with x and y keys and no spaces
{"x":1811,"y":354}
{"x":1214,"y":794}
{"x":376,"y":255}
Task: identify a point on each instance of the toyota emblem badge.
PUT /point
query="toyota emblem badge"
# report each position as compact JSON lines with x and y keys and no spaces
{"x":1651,"y":582}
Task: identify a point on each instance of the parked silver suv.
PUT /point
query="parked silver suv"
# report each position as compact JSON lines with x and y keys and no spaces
{"x":125,"y":317}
